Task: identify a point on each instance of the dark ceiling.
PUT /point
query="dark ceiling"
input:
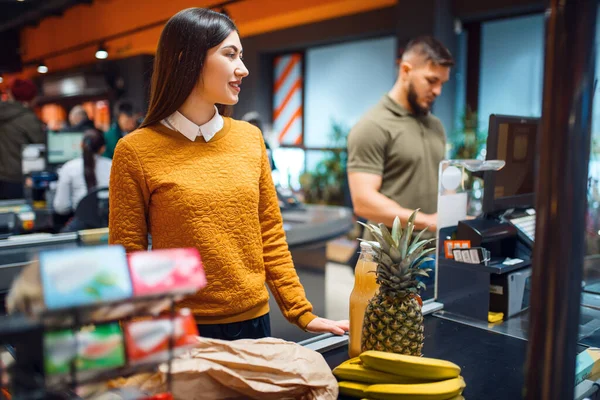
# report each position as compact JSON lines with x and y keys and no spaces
{"x":15,"y":14}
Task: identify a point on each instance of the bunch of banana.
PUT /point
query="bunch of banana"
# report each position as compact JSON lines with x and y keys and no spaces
{"x":380,"y":375}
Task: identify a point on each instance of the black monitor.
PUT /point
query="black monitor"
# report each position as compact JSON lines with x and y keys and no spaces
{"x":63,"y":146}
{"x":512,"y":139}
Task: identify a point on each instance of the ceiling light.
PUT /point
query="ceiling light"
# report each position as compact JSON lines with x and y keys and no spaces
{"x":42,"y":68}
{"x":101,"y":53}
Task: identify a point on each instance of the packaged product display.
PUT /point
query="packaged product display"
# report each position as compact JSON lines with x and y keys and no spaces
{"x":83,"y":276}
{"x":60,"y":350}
{"x":166,"y":271}
{"x":100,"y":348}
{"x":148,"y":341}
{"x":94,"y":348}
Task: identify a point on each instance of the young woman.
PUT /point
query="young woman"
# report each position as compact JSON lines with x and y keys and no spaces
{"x":80,"y":175}
{"x":192,"y":177}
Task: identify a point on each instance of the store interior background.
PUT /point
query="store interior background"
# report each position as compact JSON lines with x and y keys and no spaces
{"x":348,"y":51}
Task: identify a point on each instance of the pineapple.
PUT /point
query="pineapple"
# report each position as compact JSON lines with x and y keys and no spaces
{"x":393,"y":319}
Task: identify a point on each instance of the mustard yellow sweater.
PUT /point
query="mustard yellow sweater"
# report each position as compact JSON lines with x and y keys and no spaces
{"x":218,"y":197}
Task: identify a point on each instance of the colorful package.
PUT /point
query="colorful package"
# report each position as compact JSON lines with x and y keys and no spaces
{"x":94,"y":348}
{"x":587,"y":365}
{"x":100,"y":348}
{"x":84,"y":276}
{"x":166,"y":271}
{"x":59,"y":350}
{"x":148,"y":341}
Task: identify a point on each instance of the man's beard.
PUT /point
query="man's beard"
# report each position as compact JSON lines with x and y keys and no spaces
{"x":412,"y":100}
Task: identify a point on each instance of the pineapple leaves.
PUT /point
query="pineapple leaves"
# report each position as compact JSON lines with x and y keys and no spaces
{"x":370,"y":227}
{"x":397,"y":231}
{"x":387,"y":236}
{"x":395,"y":255}
{"x":399,"y":257}
{"x":416,"y":239}
{"x":422,"y":261}
{"x":374,"y":245}
{"x":407,"y":236}
{"x":420,"y":272}
{"x":375,"y":231}
{"x":418,"y":245}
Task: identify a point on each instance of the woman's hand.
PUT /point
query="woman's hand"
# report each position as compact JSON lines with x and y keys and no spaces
{"x":322,"y":325}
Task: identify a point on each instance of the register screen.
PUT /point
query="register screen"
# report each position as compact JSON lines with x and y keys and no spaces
{"x":516,"y":146}
{"x":63,"y":146}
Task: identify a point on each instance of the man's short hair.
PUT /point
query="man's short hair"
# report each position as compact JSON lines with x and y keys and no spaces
{"x":78,"y":112}
{"x":23,"y":90}
{"x":431,"y":49}
{"x":125,"y":107}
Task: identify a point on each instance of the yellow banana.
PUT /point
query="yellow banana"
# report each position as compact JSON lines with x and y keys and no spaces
{"x":442,"y":390}
{"x":355,"y":360}
{"x":352,"y":389}
{"x":454,"y":398}
{"x":360,"y":373}
{"x":424,"y":368}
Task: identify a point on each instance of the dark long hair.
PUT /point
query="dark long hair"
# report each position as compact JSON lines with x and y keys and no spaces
{"x":182,"y":48}
{"x":93,"y":141}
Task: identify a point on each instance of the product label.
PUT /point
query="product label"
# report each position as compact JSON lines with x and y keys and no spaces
{"x":496,"y":289}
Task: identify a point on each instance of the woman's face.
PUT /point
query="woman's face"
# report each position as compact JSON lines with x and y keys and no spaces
{"x":221,"y":78}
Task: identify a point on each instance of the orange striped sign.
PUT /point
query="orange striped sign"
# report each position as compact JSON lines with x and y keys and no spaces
{"x":287,"y":99}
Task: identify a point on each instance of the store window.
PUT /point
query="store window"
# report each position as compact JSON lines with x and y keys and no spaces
{"x":340,"y":83}
{"x":343,"y":81}
{"x":511,"y":69}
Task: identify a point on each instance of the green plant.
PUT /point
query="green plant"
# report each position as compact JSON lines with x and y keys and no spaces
{"x":325,"y":184}
{"x":467,"y":141}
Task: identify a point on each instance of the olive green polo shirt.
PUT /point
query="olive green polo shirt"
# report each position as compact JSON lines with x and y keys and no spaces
{"x":403,"y":149}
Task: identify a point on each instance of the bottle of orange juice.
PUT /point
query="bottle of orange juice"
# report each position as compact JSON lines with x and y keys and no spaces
{"x":364,"y":289}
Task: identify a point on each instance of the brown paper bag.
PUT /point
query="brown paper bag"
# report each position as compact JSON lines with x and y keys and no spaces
{"x":245,"y":369}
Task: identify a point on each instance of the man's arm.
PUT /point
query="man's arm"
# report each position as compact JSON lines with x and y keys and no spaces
{"x":369,"y":203}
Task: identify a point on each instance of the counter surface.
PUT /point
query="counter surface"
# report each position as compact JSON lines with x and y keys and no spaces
{"x":491,"y":363}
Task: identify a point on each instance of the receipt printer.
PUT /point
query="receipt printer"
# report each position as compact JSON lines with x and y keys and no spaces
{"x":499,"y":238}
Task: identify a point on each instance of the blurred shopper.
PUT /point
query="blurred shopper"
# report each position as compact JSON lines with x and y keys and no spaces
{"x":79,"y":121}
{"x":196,"y":178}
{"x":81,"y":175}
{"x":395,"y":149}
{"x":19,"y":126}
{"x":126,"y":121}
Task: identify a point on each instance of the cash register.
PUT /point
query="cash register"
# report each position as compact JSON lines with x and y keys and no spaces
{"x":507,"y":227}
{"x":509,"y":198}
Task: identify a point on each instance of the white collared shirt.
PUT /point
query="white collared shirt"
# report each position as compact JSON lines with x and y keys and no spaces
{"x":190,"y":130}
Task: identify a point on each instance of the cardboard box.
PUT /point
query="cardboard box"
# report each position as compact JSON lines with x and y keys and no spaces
{"x":587,"y":365}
